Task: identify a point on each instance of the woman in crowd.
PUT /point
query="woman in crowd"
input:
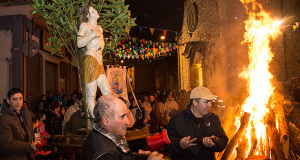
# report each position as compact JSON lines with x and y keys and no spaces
{"x":151,"y":119}
{"x":56,"y":119}
{"x":138,"y":114}
{"x":171,"y":107}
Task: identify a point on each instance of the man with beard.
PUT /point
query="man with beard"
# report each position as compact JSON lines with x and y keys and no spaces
{"x":196,"y":122}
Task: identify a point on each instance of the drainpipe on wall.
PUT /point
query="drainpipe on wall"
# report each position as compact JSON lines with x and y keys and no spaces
{"x":10,"y":71}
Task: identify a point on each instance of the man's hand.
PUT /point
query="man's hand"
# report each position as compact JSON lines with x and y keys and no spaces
{"x":207,"y":142}
{"x":48,"y":136}
{"x":286,"y":102}
{"x":144,"y":152}
{"x":185,"y":142}
{"x":145,"y":121}
{"x":33,"y":146}
{"x":155,"y":156}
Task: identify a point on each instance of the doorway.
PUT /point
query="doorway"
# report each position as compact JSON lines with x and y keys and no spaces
{"x":196,"y":78}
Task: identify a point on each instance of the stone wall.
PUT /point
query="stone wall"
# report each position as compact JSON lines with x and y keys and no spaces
{"x":291,"y":14}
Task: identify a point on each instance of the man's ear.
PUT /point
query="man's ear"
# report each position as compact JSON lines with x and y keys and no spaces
{"x":7,"y":100}
{"x":194,"y":102}
{"x":105,"y":119}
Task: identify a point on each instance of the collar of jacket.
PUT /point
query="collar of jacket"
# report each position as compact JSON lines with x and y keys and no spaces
{"x":7,"y":110}
{"x":121,"y":143}
{"x":189,"y":113}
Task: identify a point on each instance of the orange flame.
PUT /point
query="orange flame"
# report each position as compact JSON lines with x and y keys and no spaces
{"x":260,"y":28}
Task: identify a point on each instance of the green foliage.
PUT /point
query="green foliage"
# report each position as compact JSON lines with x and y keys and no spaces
{"x":62,"y":18}
{"x":115,"y":20}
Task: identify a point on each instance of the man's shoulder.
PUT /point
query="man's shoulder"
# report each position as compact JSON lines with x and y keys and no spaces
{"x":179,"y":116}
{"x":98,"y":137}
{"x":212,"y":116}
{"x":71,"y":109}
{"x":3,"y":116}
{"x":6,"y":113}
{"x":174,"y":102}
{"x":7,"y":118}
{"x":96,"y":141}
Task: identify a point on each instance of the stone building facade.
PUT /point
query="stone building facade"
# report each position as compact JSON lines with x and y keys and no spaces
{"x":214,"y":56}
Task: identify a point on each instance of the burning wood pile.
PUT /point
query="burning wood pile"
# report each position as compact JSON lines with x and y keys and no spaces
{"x":264,"y":127}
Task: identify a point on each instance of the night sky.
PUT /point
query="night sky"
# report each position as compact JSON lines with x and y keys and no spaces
{"x":158,"y":14}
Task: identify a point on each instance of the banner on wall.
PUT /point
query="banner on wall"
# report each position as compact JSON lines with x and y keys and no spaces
{"x":117,"y":79}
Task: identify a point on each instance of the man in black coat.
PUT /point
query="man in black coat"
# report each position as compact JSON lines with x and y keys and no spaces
{"x":16,"y":129}
{"x":196,"y":122}
{"x":107,"y":140}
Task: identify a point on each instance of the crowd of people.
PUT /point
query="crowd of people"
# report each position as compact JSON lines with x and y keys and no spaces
{"x":55,"y":115}
{"x":58,"y":111}
{"x":152,"y":109}
{"x":183,"y":114}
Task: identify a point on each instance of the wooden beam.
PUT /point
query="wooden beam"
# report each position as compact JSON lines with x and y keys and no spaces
{"x":237,"y":137}
{"x":254,"y":141}
{"x":275,"y":143}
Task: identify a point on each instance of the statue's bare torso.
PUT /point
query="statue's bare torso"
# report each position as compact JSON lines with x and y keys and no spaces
{"x":96,"y":45}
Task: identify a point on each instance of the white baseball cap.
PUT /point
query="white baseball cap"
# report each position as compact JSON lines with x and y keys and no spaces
{"x":203,"y":93}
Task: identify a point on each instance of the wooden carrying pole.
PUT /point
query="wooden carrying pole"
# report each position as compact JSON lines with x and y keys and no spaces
{"x":237,"y":137}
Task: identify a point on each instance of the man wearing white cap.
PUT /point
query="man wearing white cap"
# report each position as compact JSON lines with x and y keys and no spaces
{"x":196,"y":122}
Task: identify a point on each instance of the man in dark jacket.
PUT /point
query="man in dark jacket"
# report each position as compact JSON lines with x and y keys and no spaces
{"x":107,"y":139}
{"x":197,"y":122}
{"x":16,"y":128}
{"x":75,"y":123}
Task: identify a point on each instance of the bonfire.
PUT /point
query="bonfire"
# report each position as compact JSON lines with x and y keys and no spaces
{"x":262,"y":129}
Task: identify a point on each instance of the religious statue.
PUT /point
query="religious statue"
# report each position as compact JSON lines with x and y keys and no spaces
{"x":90,"y":35}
